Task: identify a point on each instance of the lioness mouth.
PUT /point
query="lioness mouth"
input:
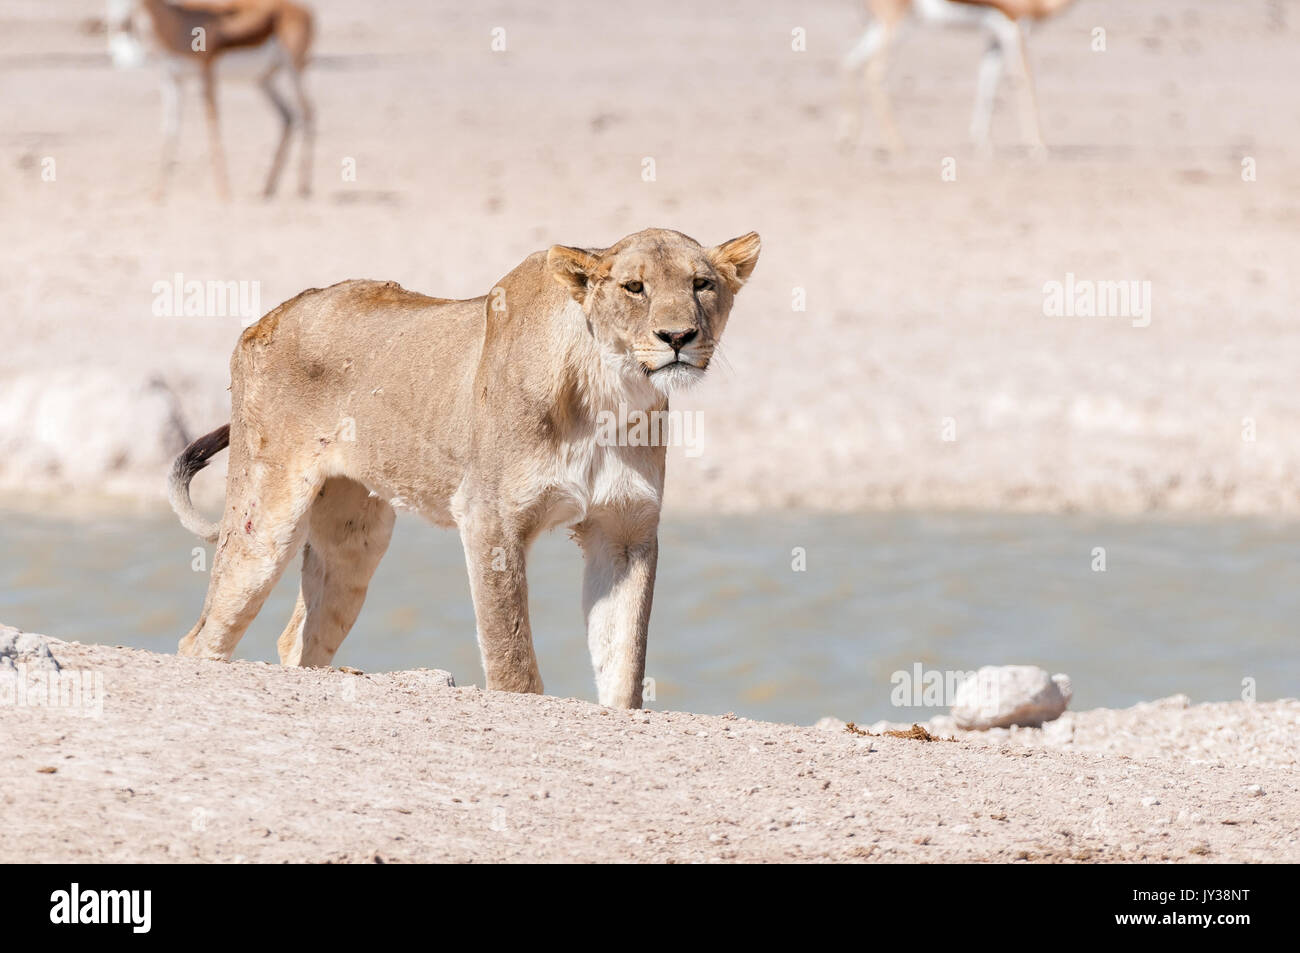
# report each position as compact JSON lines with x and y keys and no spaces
{"x":663,"y":367}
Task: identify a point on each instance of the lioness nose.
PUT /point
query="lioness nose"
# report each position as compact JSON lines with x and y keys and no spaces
{"x":677,"y":339}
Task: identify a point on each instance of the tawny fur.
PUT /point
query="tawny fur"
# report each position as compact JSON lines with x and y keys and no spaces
{"x":351,"y":402}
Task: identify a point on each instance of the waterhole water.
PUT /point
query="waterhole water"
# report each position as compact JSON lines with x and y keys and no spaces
{"x":786,"y":618}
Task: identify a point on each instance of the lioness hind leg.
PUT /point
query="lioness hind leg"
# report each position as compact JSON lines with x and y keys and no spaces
{"x":261,"y":530}
{"x":348,"y":531}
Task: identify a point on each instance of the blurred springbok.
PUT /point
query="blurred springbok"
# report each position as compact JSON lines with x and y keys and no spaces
{"x":255,"y":39}
{"x":999,"y":19}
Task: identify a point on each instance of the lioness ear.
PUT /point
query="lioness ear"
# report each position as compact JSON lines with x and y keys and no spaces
{"x":735,"y":260}
{"x":573,"y":268}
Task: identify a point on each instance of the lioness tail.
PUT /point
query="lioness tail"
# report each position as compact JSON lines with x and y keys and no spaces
{"x":190,"y":461}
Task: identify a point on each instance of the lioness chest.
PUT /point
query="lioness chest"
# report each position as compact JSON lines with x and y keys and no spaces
{"x":588,"y":476}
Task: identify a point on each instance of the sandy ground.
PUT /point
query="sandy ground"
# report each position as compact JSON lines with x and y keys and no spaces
{"x":205,"y":761}
{"x":924,"y":297}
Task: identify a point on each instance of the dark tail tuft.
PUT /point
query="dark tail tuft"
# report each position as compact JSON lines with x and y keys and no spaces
{"x":190,"y":461}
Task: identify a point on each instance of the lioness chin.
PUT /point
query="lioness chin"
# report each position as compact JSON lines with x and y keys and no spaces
{"x":482,"y":414}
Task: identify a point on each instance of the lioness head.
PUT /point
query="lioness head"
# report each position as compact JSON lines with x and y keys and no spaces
{"x":657,"y":299}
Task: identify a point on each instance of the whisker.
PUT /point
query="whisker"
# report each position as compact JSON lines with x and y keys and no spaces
{"x":719,"y":354}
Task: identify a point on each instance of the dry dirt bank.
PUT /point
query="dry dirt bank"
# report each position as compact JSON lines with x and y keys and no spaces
{"x":197,"y":761}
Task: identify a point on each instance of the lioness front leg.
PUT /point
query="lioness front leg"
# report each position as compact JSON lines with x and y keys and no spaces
{"x":498,"y":584}
{"x":617,"y":588}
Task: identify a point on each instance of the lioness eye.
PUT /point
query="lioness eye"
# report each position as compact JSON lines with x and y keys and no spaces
{"x":634,"y":287}
{"x":703,"y":284}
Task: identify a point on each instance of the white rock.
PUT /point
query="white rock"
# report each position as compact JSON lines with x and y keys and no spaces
{"x":829,"y":724}
{"x":940,"y":725}
{"x":999,"y":696}
{"x":27,"y":647}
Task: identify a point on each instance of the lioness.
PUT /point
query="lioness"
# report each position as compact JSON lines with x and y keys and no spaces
{"x":352,"y":401}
